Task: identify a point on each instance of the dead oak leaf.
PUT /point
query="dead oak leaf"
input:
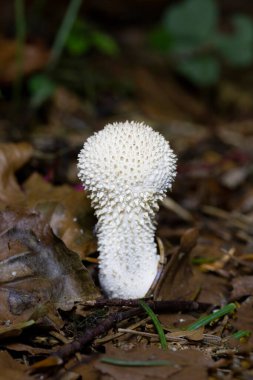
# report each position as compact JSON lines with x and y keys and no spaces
{"x":178,"y":279}
{"x":12,"y":157}
{"x":11,"y":369}
{"x":34,"y":57}
{"x":244,"y":316}
{"x":37,"y":268}
{"x":67,"y":211}
{"x":242,"y":286}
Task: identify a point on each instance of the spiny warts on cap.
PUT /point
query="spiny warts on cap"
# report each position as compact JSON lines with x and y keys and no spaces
{"x":127,"y":157}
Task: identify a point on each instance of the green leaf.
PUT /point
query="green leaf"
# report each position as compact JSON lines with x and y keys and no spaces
{"x":192,"y":20}
{"x":77,"y":44}
{"x":160,"y":39}
{"x":203,"y":321}
{"x":237,"y":48}
{"x":41,"y":88}
{"x":84,"y":37}
{"x":202,"y":71}
{"x":63,"y":32}
{"x":157,"y":324}
{"x":241,"y":334}
{"x":79,"y":40}
{"x":104,"y":43}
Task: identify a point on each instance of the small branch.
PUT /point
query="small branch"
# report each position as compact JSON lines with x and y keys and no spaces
{"x":172,"y":306}
{"x":71,"y":348}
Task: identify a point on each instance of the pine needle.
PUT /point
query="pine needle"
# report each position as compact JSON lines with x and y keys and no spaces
{"x":203,"y":321}
{"x":157,"y":324}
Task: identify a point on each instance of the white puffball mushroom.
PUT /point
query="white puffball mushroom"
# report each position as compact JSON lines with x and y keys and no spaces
{"x":126,"y":169}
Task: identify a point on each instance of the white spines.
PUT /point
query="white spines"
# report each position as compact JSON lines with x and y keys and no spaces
{"x":126,"y":168}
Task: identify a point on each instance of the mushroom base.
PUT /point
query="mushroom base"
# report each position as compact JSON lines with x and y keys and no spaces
{"x":118,"y":281}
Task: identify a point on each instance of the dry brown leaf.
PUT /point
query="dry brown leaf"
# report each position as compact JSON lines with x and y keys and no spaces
{"x":67,"y":211}
{"x":37,"y":268}
{"x":20,"y":347}
{"x":213,"y":289}
{"x":87,"y":371}
{"x":185,"y":365}
{"x":11,"y":369}
{"x":177,"y":321}
{"x":196,"y":335}
{"x":35,"y":57}
{"x":244,"y":320}
{"x":10,"y":330}
{"x":242,"y":286}
{"x":12,"y":157}
{"x":178,"y":280}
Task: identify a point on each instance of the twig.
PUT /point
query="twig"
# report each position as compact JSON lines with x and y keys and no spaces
{"x":141,"y":333}
{"x":71,"y":348}
{"x":170,"y":204}
{"x":172,"y":306}
{"x":133,"y":326}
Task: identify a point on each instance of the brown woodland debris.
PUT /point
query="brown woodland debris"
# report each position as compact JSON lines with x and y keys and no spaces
{"x":34,"y":57}
{"x":185,"y":365}
{"x":12,"y":158}
{"x":37,"y":268}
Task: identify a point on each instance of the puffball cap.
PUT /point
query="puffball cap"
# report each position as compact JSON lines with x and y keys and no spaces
{"x":126,"y":158}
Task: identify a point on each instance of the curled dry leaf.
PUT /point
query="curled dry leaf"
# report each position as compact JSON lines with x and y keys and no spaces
{"x":34,"y":58}
{"x":14,"y":329}
{"x":12,"y":369}
{"x":12,"y":157}
{"x":178,"y":279}
{"x":242,"y":286}
{"x":244,"y":316}
{"x":37,"y":268}
{"x":67,"y":211}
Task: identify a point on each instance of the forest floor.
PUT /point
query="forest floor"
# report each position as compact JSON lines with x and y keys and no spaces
{"x":55,"y":321}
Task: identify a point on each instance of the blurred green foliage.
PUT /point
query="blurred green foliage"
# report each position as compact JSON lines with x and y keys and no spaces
{"x":189,"y":35}
{"x":41,"y":88}
{"x":83,"y":38}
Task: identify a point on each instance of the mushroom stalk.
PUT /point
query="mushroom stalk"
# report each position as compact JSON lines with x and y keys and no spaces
{"x":126,"y":168}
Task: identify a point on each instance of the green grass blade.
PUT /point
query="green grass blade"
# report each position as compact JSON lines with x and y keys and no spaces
{"x":136,"y":363}
{"x":64,"y":31}
{"x":202,"y":260}
{"x":157,"y":324}
{"x":203,"y":321}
